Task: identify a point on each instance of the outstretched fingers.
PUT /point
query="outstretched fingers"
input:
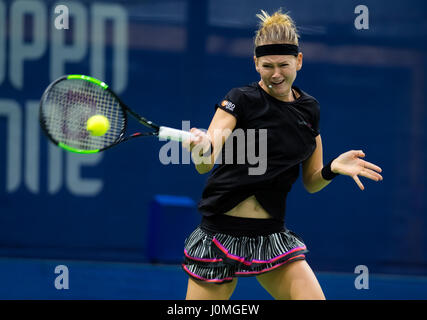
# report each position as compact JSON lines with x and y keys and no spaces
{"x":357,"y":180}
{"x":370,"y":174}
{"x":371,"y":166}
{"x":369,"y":171}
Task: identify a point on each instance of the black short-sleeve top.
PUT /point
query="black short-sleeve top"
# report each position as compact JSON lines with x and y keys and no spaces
{"x":270,"y":141}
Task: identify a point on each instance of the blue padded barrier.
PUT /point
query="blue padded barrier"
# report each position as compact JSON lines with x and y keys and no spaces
{"x":170,"y":220}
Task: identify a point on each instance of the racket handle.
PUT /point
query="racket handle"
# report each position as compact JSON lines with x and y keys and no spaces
{"x":174,"y":134}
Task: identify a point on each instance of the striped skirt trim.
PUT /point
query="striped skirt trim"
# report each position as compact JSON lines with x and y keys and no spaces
{"x":219,"y":257}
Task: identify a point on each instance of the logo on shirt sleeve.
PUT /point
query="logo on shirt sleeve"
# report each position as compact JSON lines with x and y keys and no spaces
{"x":228,"y":105}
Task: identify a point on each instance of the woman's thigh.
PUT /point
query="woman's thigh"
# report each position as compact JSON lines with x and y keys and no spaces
{"x":199,"y":290}
{"x":293,"y":281}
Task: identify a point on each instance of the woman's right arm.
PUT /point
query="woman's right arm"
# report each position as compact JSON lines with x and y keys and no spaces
{"x":220,"y":128}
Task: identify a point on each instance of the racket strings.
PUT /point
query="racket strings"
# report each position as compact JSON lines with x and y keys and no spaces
{"x":69,"y":104}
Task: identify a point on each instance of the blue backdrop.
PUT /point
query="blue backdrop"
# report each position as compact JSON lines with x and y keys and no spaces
{"x":172,"y":61}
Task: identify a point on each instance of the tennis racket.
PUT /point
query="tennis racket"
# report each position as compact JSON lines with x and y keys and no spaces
{"x":68,"y":103}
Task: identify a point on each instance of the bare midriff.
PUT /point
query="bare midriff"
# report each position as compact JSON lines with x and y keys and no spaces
{"x":249,"y":208}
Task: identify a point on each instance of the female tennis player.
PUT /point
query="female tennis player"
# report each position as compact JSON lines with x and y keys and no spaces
{"x":242,"y":232}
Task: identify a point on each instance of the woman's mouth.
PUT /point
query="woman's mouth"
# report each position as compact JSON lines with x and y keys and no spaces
{"x":277,"y":83}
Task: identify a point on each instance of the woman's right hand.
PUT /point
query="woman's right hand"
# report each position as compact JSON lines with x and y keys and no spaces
{"x":199,"y":142}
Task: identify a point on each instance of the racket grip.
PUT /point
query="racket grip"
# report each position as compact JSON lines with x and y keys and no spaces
{"x":173,"y":134}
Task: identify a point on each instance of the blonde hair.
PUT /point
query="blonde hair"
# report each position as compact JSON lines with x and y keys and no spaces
{"x":278,"y":28}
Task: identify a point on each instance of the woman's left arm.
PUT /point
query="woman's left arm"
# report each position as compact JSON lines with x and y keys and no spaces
{"x":348,"y":163}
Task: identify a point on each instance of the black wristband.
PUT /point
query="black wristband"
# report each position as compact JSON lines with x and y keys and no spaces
{"x":327,"y":173}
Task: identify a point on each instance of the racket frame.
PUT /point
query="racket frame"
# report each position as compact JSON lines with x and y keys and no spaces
{"x":125,"y":109}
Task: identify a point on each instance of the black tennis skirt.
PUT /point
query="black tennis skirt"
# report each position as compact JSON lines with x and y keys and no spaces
{"x":224,"y":247}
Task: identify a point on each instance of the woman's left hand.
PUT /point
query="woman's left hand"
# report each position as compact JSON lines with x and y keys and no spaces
{"x":350,"y":164}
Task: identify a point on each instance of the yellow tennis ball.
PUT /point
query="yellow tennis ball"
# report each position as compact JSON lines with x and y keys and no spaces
{"x":97,"y":125}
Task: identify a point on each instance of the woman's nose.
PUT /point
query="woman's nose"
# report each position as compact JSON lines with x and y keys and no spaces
{"x":276,"y":73}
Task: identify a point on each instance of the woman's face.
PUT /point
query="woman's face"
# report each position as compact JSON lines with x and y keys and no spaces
{"x":278,"y":73}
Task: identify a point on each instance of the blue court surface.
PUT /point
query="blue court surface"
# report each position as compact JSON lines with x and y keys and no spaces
{"x":35,"y":279}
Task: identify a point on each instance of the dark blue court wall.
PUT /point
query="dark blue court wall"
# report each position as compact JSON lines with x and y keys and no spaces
{"x":171,"y":61}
